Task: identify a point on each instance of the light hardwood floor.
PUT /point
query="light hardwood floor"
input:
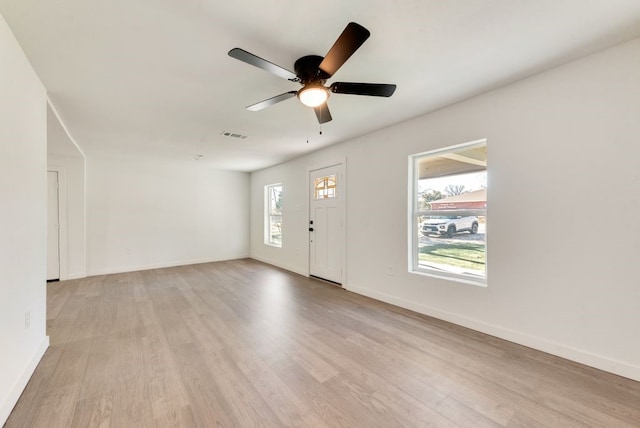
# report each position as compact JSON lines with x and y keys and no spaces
{"x":242,"y":344}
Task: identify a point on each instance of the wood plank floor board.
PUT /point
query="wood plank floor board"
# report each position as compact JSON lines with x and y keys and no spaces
{"x":100,"y":370}
{"x":381,"y":379}
{"x":564,"y":395}
{"x":131,"y":405}
{"x":528,"y":420}
{"x":246,"y":403}
{"x":203,"y":391}
{"x":288,"y":407}
{"x":474,"y":388}
{"x":94,"y":410}
{"x":518,"y":379}
{"x":470,"y":397}
{"x":56,"y":301}
{"x":197,"y":304}
{"x":94,"y":406}
{"x":404,"y":389}
{"x":359,"y":395}
{"x":503,"y":411}
{"x":329,"y":407}
{"x":32,"y":395}
{"x":240,"y":343}
{"x":417,"y":332}
{"x":313,"y":364}
{"x":166,"y":394}
{"x":445,"y":375}
{"x":57,"y":404}
{"x":107,"y":312}
{"x":65,"y":324}
{"x":571,"y":380}
{"x":464,"y":415}
{"x":468,"y":389}
{"x":205,"y":337}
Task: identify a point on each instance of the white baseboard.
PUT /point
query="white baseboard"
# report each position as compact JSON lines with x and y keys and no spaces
{"x":282,"y":266}
{"x":18,"y":388}
{"x":583,"y":357}
{"x":123,"y":269}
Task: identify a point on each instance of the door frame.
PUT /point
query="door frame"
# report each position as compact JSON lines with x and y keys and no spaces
{"x":62,"y":217}
{"x":343,"y":209}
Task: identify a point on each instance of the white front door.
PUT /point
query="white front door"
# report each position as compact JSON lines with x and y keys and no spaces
{"x":53,"y":227}
{"x":326,"y":223}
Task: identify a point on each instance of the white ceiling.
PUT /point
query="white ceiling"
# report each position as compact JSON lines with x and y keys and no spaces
{"x":152,"y":78}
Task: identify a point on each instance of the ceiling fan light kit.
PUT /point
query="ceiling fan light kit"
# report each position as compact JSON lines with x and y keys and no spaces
{"x":312,"y":71}
{"x":313,"y":95}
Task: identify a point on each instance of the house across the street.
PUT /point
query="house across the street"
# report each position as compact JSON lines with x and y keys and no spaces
{"x":476,"y":199}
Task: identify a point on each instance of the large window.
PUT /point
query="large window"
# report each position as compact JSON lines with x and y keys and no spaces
{"x":273,"y":215}
{"x":448,"y":213}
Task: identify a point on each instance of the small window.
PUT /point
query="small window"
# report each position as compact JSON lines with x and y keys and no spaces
{"x":273,"y":215}
{"x":449,"y":213}
{"x":325,"y":187}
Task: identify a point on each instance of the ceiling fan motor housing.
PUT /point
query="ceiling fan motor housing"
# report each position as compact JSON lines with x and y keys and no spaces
{"x":308,"y":71}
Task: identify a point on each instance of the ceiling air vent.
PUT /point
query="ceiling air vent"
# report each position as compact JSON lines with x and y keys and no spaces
{"x":233,"y":135}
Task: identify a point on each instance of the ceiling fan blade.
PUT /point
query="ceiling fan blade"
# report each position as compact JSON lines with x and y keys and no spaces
{"x":271,"y":101}
{"x":256,"y":61}
{"x":353,"y":36}
{"x":371,"y":89}
{"x":322,"y":113}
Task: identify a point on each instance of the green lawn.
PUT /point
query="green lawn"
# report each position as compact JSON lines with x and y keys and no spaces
{"x":466,"y":255}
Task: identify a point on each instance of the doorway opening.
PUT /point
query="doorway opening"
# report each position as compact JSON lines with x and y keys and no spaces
{"x":53,"y":226}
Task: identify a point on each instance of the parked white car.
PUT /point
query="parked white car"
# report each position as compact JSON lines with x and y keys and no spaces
{"x":449,"y":225}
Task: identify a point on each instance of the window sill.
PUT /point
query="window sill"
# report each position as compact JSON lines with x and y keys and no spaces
{"x":465,"y":279}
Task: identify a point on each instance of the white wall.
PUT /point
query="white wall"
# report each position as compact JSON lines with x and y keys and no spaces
{"x":23,"y":196}
{"x":294,"y":253}
{"x":145,"y":215}
{"x":564,"y":198}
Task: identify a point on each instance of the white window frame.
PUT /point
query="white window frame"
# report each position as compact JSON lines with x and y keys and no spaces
{"x":414,"y":213}
{"x":269,"y":215}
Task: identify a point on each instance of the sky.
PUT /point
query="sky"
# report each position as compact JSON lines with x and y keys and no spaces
{"x":471,"y":181}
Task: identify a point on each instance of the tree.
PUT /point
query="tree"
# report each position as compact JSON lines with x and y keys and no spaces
{"x":279,"y":200}
{"x":275,"y":205}
{"x":426,"y":197}
{"x":453,"y":189}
